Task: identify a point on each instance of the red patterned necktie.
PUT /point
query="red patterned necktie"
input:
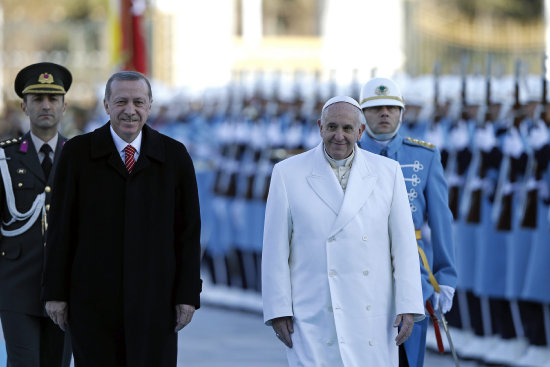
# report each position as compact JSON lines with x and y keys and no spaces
{"x":129,"y":160}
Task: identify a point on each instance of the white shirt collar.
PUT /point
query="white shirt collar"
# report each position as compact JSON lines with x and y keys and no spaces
{"x":39,"y":142}
{"x":121,"y":144}
{"x":346,"y":162}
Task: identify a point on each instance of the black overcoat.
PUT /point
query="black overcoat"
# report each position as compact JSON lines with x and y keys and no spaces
{"x":123,"y":249}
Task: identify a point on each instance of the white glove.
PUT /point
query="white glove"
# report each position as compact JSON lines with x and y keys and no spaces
{"x":538,"y":135}
{"x":443,"y":298}
{"x":459,"y":137}
{"x":485,"y":139}
{"x":435,"y":136}
{"x":513,"y":145}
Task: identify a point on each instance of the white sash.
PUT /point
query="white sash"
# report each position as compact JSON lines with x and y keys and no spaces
{"x":30,"y":215}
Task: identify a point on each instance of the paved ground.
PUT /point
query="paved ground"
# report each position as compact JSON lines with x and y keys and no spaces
{"x":219,"y":337}
{"x":224,"y":337}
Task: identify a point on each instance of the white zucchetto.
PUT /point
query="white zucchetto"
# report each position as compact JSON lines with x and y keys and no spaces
{"x":337,"y":99}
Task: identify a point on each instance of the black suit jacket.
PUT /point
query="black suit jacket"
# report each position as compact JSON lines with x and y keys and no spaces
{"x":21,"y":257}
{"x":124,"y":249}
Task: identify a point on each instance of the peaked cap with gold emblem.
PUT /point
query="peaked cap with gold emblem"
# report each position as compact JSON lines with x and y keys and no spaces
{"x":43,"y":78}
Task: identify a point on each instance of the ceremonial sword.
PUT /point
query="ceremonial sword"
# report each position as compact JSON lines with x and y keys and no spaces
{"x":441,"y":320}
{"x":449,"y":339}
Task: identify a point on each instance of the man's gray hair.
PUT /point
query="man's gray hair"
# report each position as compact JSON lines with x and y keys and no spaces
{"x":126,"y":75}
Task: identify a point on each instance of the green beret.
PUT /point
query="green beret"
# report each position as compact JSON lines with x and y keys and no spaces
{"x":43,"y":78}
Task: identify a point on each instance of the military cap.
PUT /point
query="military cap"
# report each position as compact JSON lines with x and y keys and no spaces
{"x":43,"y":78}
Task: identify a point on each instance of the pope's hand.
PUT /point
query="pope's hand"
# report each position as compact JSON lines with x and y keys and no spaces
{"x":407,"y":322}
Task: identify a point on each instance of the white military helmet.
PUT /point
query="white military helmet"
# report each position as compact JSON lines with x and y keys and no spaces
{"x":381,"y":92}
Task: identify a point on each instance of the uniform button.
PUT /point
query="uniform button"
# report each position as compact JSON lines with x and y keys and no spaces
{"x":3,"y":253}
{"x":329,"y":308}
{"x":371,"y":343}
{"x":366,"y":272}
{"x":20,"y":184}
{"x":47,"y":189}
{"x":332,"y":239}
{"x":332,"y":273}
{"x":369,"y":307}
{"x":47,"y":207}
{"x":330,"y":342}
{"x":364,"y":238}
{"x":44,"y":244}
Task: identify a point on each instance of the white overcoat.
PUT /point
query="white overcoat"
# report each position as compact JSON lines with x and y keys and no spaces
{"x":342,"y":265}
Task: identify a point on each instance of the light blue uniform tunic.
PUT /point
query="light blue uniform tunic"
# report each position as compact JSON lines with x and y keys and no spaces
{"x":428,"y":199}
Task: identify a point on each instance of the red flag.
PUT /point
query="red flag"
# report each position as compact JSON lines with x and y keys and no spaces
{"x":139,"y":55}
{"x":134,"y":49}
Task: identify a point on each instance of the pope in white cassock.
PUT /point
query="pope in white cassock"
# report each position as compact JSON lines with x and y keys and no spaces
{"x":340,"y":268}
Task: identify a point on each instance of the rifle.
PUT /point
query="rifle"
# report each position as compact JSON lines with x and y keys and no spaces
{"x":437,"y":111}
{"x":479,"y":164}
{"x":509,"y":168}
{"x":453,"y":168}
{"x":528,"y":211}
{"x":544,"y":88}
{"x":355,"y":87}
{"x":333,"y":87}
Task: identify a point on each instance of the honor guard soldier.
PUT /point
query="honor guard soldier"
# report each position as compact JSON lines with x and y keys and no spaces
{"x":535,"y":292}
{"x":492,"y":255}
{"x":383,"y":107}
{"x":27,"y":166}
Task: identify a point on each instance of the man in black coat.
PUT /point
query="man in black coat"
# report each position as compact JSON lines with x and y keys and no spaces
{"x":123,"y":252}
{"x":27,"y":166}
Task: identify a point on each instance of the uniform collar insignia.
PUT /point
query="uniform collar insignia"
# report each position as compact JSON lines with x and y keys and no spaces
{"x":24,"y":146}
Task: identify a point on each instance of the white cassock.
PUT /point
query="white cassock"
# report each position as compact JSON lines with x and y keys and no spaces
{"x":343,"y":265}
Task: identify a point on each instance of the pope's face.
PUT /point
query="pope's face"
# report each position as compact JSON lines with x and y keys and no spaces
{"x":340,"y":129}
{"x":128,"y":107}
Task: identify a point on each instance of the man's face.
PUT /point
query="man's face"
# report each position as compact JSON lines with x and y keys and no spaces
{"x":44,"y":110}
{"x":382,"y":119}
{"x":340,"y":129}
{"x":128,"y":107}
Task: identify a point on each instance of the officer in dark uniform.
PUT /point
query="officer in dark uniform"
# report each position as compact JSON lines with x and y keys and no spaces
{"x":27,"y":166}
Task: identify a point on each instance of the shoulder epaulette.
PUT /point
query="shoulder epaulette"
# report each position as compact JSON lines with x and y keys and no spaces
{"x":8,"y":142}
{"x":421,"y":143}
